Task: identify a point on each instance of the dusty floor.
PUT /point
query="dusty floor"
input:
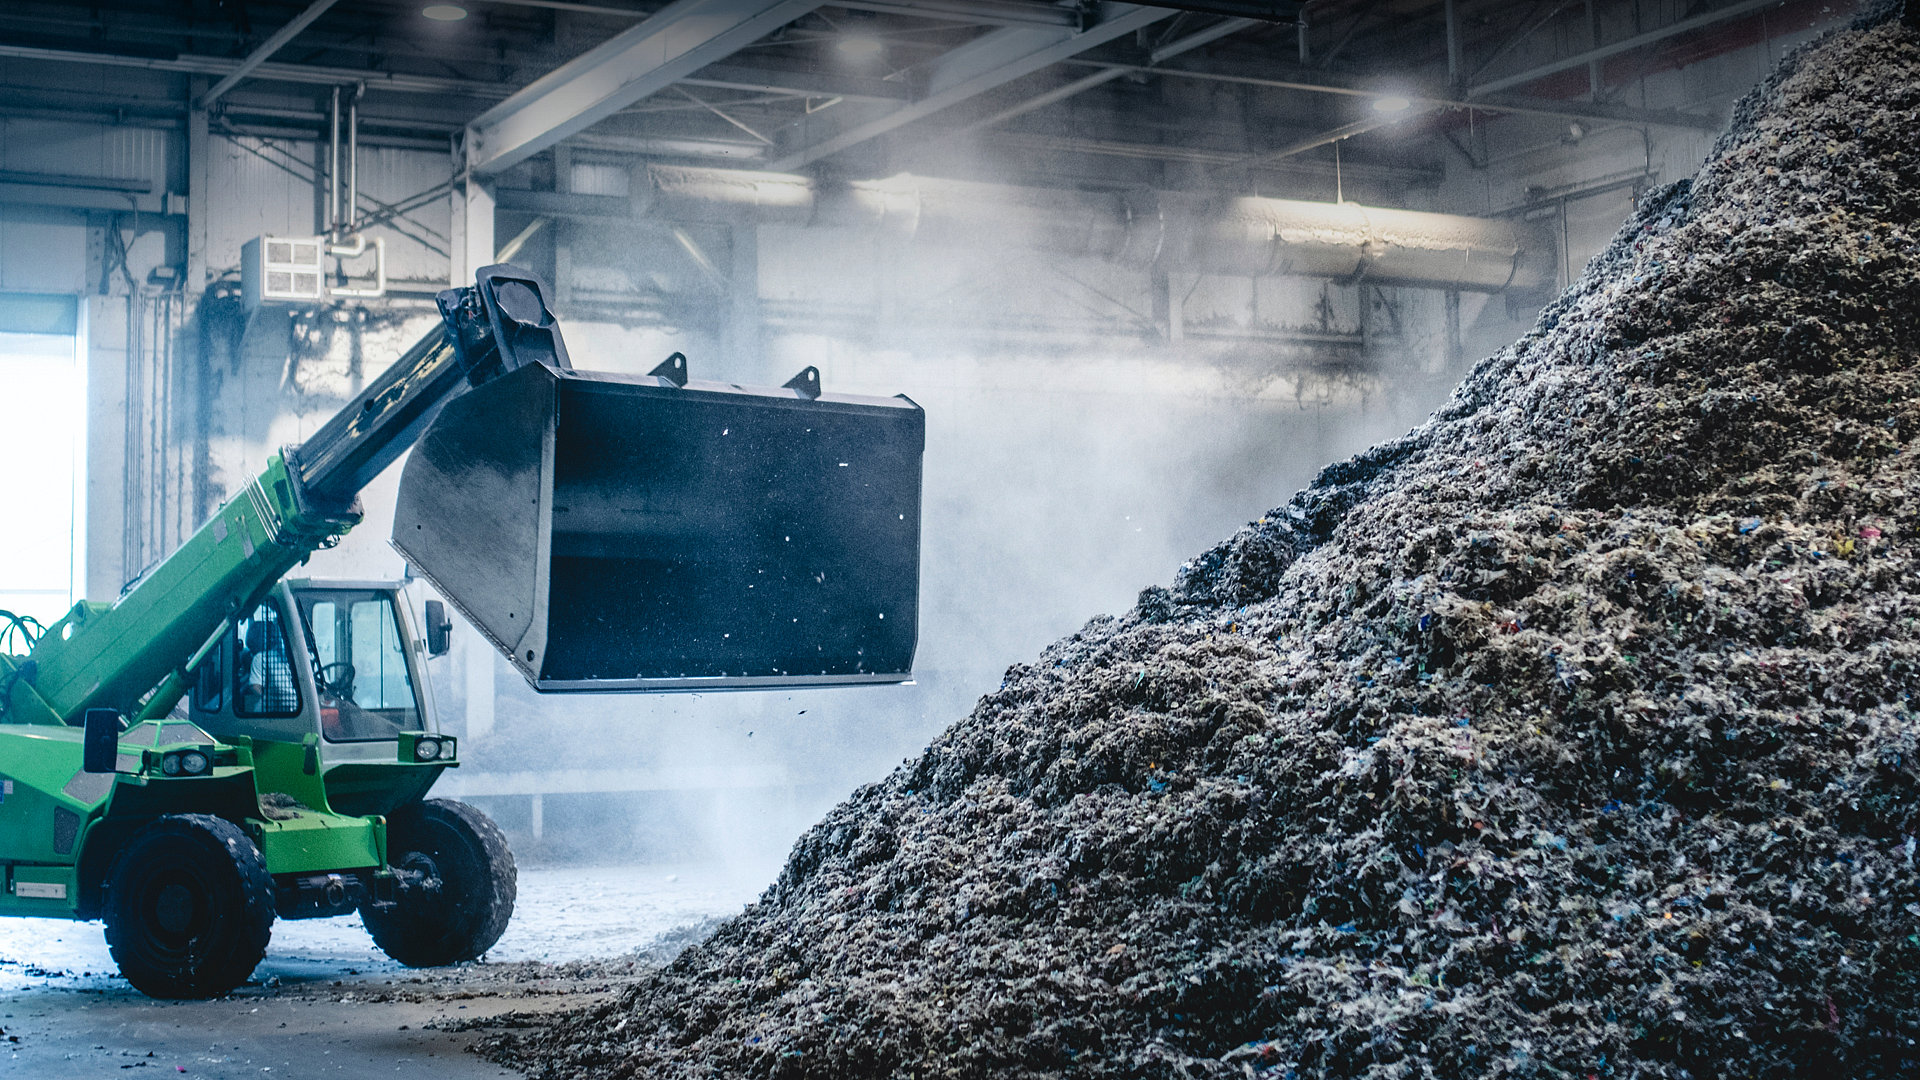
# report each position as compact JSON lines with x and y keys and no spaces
{"x":326,"y":1003}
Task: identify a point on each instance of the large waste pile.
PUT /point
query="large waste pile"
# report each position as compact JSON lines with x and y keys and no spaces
{"x":1571,"y":735}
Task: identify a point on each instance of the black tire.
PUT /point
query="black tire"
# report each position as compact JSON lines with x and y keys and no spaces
{"x":471,"y":883}
{"x":189,"y":907}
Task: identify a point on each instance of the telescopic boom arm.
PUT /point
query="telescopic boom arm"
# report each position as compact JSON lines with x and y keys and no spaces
{"x":605,"y":531}
{"x":134,"y":654}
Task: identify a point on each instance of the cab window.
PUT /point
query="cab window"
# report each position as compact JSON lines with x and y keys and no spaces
{"x":359,"y":664}
{"x":210,"y":683}
{"x":263,"y":682}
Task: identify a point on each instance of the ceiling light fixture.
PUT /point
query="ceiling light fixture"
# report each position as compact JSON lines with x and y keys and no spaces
{"x":861,"y":47}
{"x":1392,"y":103}
{"x":444,"y":12}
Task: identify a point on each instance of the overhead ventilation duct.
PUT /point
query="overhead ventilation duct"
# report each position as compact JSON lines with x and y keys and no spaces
{"x":1243,"y":236}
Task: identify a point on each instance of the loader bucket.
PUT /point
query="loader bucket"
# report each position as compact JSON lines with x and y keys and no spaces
{"x":613,"y":532}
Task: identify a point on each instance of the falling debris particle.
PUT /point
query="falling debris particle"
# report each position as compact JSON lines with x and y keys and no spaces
{"x":1561,"y":737}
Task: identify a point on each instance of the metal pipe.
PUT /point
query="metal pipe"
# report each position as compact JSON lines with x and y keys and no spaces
{"x":1594,"y":75}
{"x":1456,"y":65}
{"x":1314,"y":142}
{"x":333,"y":163}
{"x":1257,"y":237}
{"x":353,"y":159}
{"x":355,"y":250}
{"x":1240,"y":236}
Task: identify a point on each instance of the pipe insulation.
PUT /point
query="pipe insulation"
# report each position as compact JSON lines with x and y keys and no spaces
{"x":1244,"y":236}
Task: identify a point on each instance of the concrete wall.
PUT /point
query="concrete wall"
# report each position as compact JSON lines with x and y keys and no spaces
{"x":277,"y":187}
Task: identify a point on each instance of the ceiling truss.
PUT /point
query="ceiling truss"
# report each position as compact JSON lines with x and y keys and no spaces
{"x":760,"y":81}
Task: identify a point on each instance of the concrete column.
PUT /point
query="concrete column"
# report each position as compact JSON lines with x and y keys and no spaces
{"x":473,"y":242}
{"x":1455,"y":350}
{"x":562,"y":229}
{"x":198,"y":207}
{"x":104,"y":320}
{"x":1594,"y":75}
{"x":476,"y":681}
{"x":1455,"y":62}
{"x":1169,"y":305}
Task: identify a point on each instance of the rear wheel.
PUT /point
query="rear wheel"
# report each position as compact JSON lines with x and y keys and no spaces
{"x":189,"y":907}
{"x":457,"y":885}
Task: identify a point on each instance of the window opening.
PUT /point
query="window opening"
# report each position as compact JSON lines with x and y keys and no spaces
{"x":43,"y":406}
{"x":263,"y":683}
{"x":360,"y":664}
{"x":210,"y":682}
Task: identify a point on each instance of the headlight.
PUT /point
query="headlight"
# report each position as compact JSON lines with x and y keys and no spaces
{"x":186,"y":763}
{"x":426,"y":750}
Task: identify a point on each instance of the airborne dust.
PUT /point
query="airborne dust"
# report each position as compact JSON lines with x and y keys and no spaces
{"x":1570,"y":734}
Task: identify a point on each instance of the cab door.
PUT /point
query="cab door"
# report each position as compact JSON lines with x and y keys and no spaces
{"x":370,"y":685}
{"x":252,"y":684}
{"x":258,"y":684}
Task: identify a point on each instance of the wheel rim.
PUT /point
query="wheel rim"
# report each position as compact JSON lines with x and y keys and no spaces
{"x":444,"y":849}
{"x":419,"y":862}
{"x":174,"y":913}
{"x":173,"y":910}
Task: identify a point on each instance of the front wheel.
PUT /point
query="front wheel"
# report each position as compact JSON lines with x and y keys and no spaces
{"x":457,"y":884}
{"x":189,"y":907}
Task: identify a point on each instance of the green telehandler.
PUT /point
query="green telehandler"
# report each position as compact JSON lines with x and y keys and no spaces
{"x":223,"y":745}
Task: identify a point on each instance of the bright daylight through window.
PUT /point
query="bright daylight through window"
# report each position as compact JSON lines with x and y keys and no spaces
{"x":42,"y":395}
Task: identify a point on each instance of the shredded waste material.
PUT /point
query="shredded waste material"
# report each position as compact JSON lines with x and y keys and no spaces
{"x":1570,"y":735}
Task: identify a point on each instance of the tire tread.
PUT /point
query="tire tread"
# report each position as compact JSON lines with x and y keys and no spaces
{"x":248,"y":944}
{"x":419,"y":938}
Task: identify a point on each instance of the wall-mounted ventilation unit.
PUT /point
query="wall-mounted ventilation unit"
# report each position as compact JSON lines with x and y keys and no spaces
{"x":284,"y":269}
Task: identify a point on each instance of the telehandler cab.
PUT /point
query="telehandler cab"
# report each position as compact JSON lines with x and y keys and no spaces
{"x":221,"y":745}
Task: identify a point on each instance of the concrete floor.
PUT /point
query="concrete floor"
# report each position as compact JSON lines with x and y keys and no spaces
{"x":326,"y":1003}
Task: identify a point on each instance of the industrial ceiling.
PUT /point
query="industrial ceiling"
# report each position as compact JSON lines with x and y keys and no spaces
{"x":1063,"y":92}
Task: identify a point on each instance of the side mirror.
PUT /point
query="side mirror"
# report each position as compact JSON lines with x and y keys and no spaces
{"x":439,"y":629}
{"x":100,"y":747}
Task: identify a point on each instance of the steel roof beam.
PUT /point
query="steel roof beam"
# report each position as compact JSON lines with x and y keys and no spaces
{"x":770,"y":79}
{"x":641,"y":61}
{"x":1311,"y":142}
{"x":1269,"y":11}
{"x":978,"y":12}
{"x":777,"y":80}
{"x":267,"y":48}
{"x":1651,"y":37}
{"x":989,"y":61}
{"x":293,"y":73}
{"x":857,"y":88}
{"x":1315,"y":82}
{"x":1171,"y":49}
